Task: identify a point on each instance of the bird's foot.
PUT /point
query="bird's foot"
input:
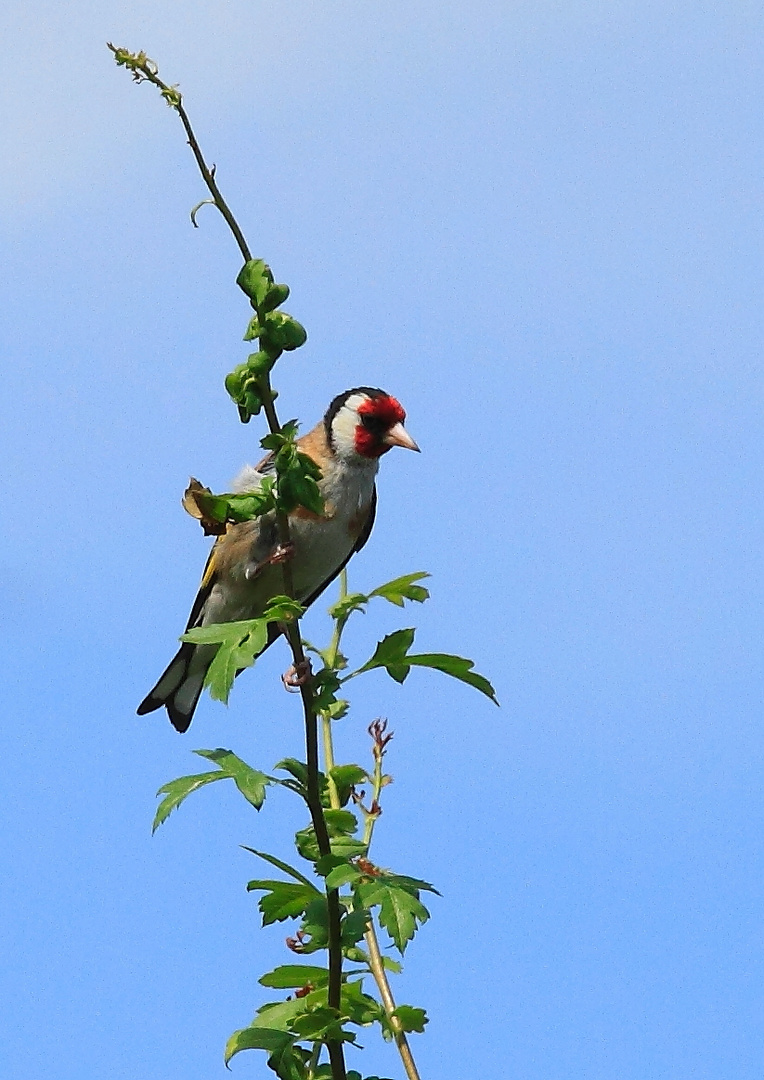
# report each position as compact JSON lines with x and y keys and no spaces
{"x":296,"y":676}
{"x":281,"y":553}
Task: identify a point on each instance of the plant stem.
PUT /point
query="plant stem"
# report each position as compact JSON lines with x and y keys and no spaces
{"x":313,"y":1063}
{"x":147,"y":69}
{"x":380,"y":977}
{"x":172,"y":96}
{"x":376,"y":965}
{"x":339,"y":623}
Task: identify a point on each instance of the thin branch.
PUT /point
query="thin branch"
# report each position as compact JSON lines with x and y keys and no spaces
{"x":145,"y":69}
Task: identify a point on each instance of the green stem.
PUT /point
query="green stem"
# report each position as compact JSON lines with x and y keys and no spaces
{"x":376,"y":964}
{"x":372,"y":815}
{"x":339,"y":623}
{"x":388,"y":1001}
{"x":313,"y":1063}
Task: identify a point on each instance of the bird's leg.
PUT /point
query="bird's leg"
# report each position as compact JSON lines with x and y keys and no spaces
{"x":297,"y":675}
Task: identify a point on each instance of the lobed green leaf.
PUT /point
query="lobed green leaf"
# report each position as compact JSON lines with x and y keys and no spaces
{"x":403,"y":588}
{"x":177,"y":790}
{"x":250,"y":782}
{"x":283,"y":899}
{"x":411,"y":1019}
{"x":458,"y":668}
{"x":400,"y":911}
{"x":346,"y":605}
{"x":392,"y":654}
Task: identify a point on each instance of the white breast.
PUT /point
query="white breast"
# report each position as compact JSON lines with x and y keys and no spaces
{"x":322,"y":546}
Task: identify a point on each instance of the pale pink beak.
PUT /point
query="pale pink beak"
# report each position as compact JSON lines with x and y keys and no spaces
{"x":398,"y":436}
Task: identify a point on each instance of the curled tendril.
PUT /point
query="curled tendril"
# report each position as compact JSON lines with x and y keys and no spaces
{"x":197,"y":208}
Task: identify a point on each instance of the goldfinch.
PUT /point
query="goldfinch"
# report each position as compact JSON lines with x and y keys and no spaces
{"x":240,"y":578}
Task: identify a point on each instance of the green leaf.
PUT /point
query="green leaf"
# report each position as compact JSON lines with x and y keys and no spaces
{"x":358,"y":1007}
{"x":249,"y":505}
{"x":347,"y":777}
{"x":250,"y":782}
{"x":354,"y":927}
{"x":337,"y":709}
{"x":283,"y":609}
{"x":287,"y":869}
{"x":315,"y":926}
{"x":255,"y":279}
{"x":340,"y":822}
{"x":393,"y":655}
{"x":341,"y":844}
{"x":259,"y":363}
{"x":458,"y":668}
{"x":294,"y":976}
{"x":278,"y":1043}
{"x":353,"y":1074}
{"x":238,"y":644}
{"x":412,"y":885}
{"x":281,"y":331}
{"x":403,"y":588}
{"x":253,"y":329}
{"x":297,"y":489}
{"x":342,"y":875}
{"x":275,"y":296}
{"x":400,"y":911}
{"x":283,"y":899}
{"x":217,"y":633}
{"x":296,"y":769}
{"x":346,"y":605}
{"x":177,"y":790}
{"x":325,"y":686}
{"x":411,"y":1019}
{"x":321,"y":1024}
{"x":392,"y":648}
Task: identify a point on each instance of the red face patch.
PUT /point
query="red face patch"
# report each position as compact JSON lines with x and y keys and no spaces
{"x":378,"y":415}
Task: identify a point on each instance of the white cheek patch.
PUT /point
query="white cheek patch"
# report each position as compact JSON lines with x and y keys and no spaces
{"x":345,"y":423}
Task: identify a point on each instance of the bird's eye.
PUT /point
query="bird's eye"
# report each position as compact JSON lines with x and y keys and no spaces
{"x":373,"y":423}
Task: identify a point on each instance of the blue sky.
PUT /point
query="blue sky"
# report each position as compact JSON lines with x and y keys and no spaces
{"x":540,"y":226}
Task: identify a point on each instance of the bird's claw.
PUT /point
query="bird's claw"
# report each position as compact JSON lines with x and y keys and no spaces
{"x":296,"y":676}
{"x":281,"y":553}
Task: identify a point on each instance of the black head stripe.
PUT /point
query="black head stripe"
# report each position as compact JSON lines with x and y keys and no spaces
{"x":339,"y":401}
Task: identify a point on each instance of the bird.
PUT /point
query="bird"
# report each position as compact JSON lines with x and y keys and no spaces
{"x":242,"y":575}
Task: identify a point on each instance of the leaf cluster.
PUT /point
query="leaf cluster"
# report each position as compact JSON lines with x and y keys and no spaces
{"x":248,"y":384}
{"x":392,"y":652}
